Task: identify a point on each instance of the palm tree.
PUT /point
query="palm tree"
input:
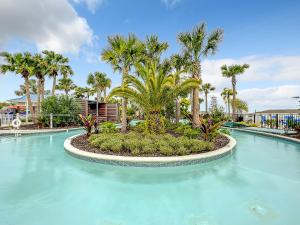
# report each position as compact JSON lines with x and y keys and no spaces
{"x":206,"y":88}
{"x":107,"y":84}
{"x":226,"y":93}
{"x":56,"y":64}
{"x":40,"y":71}
{"x":241,"y":106}
{"x":178,"y":63}
{"x":66,"y":84}
{"x":151,"y":90}
{"x":197,"y":44}
{"x":122,"y":53}
{"x":20,"y":63}
{"x":22,"y":89}
{"x":231,"y":72}
{"x":98,"y":81}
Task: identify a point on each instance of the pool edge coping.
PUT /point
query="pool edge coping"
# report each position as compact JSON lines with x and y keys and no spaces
{"x":40,"y":131}
{"x":268,"y":134}
{"x":113,"y":159}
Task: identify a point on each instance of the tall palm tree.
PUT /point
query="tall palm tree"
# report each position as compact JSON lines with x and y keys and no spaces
{"x":197,"y":44}
{"x":226,"y":93}
{"x":98,"y":81}
{"x":151,"y":90}
{"x":178,"y":63}
{"x":122,"y":53}
{"x":231,"y":72}
{"x":56,"y":63}
{"x":20,"y":63}
{"x":65,"y":84}
{"x":206,"y":88}
{"x":40,"y":71}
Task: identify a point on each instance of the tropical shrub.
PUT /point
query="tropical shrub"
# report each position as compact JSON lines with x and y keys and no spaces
{"x":209,"y":129}
{"x":217,"y":114}
{"x":88,"y":123}
{"x":108,"y":127}
{"x":148,"y":144}
{"x":64,"y":109}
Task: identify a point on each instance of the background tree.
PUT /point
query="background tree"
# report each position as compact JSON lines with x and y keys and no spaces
{"x":241,"y":106}
{"x":178,"y":63}
{"x":65,"y":84}
{"x":121,"y":53}
{"x":20,"y":63}
{"x":22,"y":89}
{"x":206,"y":88}
{"x":107,"y":84}
{"x":98,"y":82}
{"x":197,"y":44}
{"x":231,"y":72}
{"x":40,"y":71}
{"x":226,"y":94}
{"x":56,"y":64}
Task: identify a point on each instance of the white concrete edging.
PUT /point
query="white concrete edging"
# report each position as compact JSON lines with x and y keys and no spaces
{"x":207,"y":156}
{"x":37,"y":131}
{"x":268,"y":134}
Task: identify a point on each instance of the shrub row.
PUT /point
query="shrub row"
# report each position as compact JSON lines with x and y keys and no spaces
{"x":139,"y":144}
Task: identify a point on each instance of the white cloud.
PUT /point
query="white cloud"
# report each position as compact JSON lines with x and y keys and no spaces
{"x":279,"y":77}
{"x":279,"y":97}
{"x":50,"y":24}
{"x":92,"y":5}
{"x":171,"y":3}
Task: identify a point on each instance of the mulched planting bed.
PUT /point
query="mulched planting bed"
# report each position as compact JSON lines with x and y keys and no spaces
{"x":81,"y":142}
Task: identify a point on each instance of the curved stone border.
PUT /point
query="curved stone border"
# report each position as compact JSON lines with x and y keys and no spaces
{"x":268,"y":134}
{"x":149,"y":161}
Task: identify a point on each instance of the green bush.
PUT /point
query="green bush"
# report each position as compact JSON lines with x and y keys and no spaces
{"x":148,"y":144}
{"x":64,"y":109}
{"x":187,"y":131}
{"x":108,"y":127}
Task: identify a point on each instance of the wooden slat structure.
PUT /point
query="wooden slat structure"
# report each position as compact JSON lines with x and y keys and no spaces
{"x":107,"y":111}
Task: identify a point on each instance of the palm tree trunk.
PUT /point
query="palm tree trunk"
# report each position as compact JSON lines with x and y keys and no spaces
{"x":97,"y":108}
{"x":104,"y":93}
{"x":42,"y":89}
{"x":233,"y":98}
{"x":53,"y":85}
{"x":196,"y":103}
{"x":206,"y":102}
{"x":228,"y":103}
{"x":124,"y":116}
{"x":155,"y":123}
{"x":124,"y":103}
{"x":27,"y":88}
{"x":38,"y":96}
{"x":177,"y":110}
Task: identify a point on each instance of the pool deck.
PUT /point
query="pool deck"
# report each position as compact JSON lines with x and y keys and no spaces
{"x":263,"y":132}
{"x":36,"y":131}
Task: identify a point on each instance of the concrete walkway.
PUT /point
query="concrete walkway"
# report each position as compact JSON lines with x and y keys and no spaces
{"x":268,"y":130}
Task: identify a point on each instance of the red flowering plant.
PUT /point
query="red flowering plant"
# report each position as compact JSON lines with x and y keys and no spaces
{"x":88,"y":123}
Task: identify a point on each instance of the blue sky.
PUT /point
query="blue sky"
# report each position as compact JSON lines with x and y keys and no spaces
{"x":264,"y":34}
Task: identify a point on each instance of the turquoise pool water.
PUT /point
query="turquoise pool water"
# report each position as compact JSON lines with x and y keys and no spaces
{"x":42,"y":185}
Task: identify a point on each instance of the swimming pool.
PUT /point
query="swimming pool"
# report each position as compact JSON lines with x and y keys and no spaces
{"x":40,"y":184}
